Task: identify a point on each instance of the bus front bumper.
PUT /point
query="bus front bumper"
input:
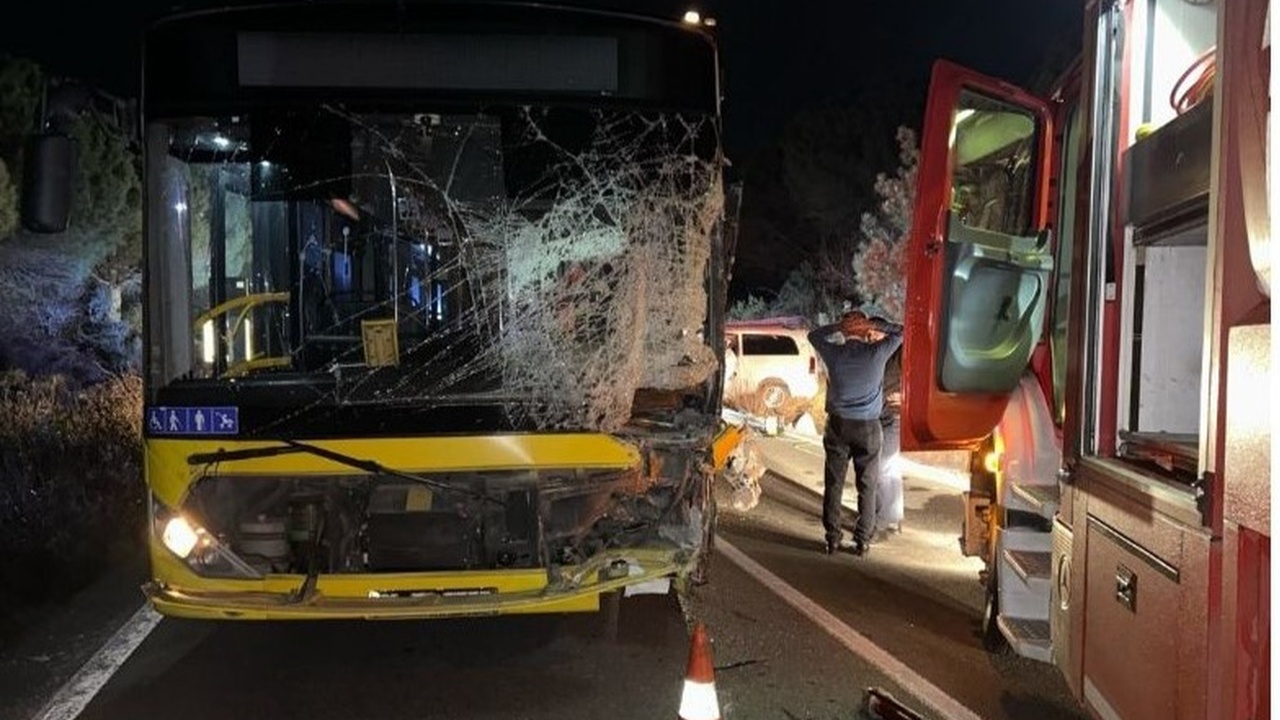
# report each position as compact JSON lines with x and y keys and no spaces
{"x":410,"y":596}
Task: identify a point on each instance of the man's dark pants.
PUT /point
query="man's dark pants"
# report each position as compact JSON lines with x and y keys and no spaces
{"x":859,"y":441}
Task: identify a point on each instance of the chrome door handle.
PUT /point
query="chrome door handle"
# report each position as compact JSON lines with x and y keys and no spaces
{"x":1127,"y":588}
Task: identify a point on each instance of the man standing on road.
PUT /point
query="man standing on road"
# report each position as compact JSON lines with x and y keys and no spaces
{"x":855,"y":351}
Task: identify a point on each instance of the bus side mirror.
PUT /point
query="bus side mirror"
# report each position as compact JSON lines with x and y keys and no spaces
{"x":46,"y":191}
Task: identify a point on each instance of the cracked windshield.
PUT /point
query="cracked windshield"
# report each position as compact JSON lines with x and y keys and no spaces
{"x":551,"y":259}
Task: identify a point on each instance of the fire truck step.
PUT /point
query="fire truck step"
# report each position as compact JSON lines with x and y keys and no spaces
{"x":1030,"y":564}
{"x":1028,"y":638}
{"x":1042,"y":499}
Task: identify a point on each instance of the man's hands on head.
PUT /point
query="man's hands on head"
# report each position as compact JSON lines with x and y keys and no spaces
{"x":859,"y":327}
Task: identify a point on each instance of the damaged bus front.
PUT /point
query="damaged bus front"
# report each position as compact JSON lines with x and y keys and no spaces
{"x":434,"y":296}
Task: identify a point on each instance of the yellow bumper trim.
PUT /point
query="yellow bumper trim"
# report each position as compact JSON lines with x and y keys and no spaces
{"x":443,"y":595}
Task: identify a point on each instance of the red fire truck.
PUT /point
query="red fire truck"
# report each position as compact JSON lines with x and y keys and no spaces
{"x":1088,"y":312}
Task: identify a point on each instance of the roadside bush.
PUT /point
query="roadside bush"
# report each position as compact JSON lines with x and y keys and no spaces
{"x":71,"y":495}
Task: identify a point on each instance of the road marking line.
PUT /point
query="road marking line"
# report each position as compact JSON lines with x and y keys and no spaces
{"x":906,"y":678}
{"x":72,"y":698}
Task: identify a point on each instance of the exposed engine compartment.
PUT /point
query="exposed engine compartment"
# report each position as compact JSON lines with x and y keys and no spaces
{"x":398,"y":522}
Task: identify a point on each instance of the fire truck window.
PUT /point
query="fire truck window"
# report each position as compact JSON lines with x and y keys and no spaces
{"x":992,"y":154}
{"x":997,"y":264}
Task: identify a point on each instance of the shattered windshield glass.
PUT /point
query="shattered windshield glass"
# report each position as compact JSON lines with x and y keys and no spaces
{"x":551,"y":259}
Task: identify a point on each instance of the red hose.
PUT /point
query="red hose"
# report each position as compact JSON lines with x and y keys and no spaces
{"x":1183,"y":100}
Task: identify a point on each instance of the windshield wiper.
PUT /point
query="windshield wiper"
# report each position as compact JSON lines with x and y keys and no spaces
{"x":373,"y":467}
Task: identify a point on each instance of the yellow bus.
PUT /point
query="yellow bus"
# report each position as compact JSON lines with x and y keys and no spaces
{"x":434,"y":299}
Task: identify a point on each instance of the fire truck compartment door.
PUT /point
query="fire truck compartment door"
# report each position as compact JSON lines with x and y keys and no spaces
{"x":979,"y":256}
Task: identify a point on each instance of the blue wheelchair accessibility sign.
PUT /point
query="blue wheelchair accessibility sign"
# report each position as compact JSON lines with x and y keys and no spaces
{"x":193,"y":420}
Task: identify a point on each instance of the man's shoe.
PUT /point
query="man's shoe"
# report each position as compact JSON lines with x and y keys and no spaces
{"x":861,"y":548}
{"x":831,"y":547}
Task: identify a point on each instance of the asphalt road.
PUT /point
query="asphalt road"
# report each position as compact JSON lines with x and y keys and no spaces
{"x":913,"y":604}
{"x":914,"y":595}
{"x":772,"y":662}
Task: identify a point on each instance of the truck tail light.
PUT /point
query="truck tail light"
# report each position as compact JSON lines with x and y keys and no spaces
{"x":813,"y":365}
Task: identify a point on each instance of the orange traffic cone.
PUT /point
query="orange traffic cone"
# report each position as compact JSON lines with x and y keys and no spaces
{"x":698,"y":701}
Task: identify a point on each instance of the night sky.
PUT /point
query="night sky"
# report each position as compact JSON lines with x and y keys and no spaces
{"x":779,"y":55}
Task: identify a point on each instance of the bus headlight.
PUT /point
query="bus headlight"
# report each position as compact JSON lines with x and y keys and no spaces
{"x":179,"y":536}
{"x":201,"y":550}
